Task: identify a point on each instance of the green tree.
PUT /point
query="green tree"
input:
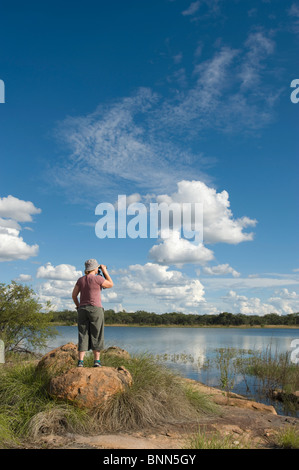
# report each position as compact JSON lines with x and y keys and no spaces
{"x":22,"y":324}
{"x":66,"y":317}
{"x":225,"y":318}
{"x":273,"y":319}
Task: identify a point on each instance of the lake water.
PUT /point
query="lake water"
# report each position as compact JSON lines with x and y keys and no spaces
{"x":186,"y":350}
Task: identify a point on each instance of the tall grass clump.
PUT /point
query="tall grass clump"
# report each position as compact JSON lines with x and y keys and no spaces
{"x":275,"y":370}
{"x":26,"y":409}
{"x":278,"y":378}
{"x":225,"y":363}
{"x":156,"y":396}
{"x":287,"y":438}
{"x":276,"y":375}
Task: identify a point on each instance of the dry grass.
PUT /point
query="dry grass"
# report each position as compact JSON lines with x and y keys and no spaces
{"x":156,"y":396}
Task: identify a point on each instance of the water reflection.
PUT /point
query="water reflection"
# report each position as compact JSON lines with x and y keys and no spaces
{"x":187,"y":340}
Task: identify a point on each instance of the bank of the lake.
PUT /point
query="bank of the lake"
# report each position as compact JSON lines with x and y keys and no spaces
{"x":136,"y":325}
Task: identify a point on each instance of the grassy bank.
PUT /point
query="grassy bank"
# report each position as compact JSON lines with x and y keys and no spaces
{"x":157,"y":396}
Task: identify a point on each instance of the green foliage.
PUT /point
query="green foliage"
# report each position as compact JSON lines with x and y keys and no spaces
{"x":66,"y":317}
{"x":22,"y":324}
{"x":288,"y":438}
{"x":140,"y":317}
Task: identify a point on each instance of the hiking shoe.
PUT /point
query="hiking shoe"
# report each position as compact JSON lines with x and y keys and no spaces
{"x":97,"y":364}
{"x":80,"y":364}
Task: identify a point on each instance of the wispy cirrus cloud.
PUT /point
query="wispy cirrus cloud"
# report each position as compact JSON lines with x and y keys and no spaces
{"x":145,"y":140}
{"x":226,"y":93}
{"x":211,"y":7}
{"x":294,"y":14}
{"x":193,"y":8}
{"x":119,"y":143}
{"x":258,"y":48}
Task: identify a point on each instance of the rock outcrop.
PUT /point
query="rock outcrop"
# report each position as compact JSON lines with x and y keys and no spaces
{"x":116,"y":352}
{"x":65,"y":357}
{"x":85,"y":386}
{"x":60,"y":359}
{"x":231,"y":399}
{"x":90,"y":387}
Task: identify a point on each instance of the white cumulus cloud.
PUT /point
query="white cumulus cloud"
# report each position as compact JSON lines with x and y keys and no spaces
{"x":220,"y":270}
{"x":160,"y":288}
{"x":12,"y":245}
{"x":65,"y":272}
{"x":178,"y":251}
{"x":16,"y":209}
{"x":23,"y":278}
{"x":218,"y":225}
{"x":248,"y":306}
{"x":286,"y":301}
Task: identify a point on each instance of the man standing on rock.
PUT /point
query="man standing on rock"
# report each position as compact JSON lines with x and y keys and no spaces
{"x":90,"y":310}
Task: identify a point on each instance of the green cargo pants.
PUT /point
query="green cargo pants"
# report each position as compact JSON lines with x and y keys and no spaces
{"x":90,"y":328}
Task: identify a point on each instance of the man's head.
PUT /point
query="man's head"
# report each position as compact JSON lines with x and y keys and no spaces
{"x":91,"y":265}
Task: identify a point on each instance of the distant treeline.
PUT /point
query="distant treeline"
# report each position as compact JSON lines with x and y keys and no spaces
{"x":68,"y":317}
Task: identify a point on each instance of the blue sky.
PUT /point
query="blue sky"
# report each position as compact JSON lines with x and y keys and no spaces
{"x":167,"y":100}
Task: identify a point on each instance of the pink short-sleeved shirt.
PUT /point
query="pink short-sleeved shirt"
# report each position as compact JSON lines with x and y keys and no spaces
{"x":90,"y":287}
